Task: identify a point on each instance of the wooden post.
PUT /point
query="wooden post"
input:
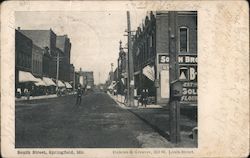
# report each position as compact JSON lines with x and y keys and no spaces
{"x":173,"y":66}
{"x":130,"y":65}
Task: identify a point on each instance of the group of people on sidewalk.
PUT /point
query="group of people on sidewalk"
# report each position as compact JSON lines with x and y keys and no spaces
{"x":79,"y":93}
{"x":142,"y":98}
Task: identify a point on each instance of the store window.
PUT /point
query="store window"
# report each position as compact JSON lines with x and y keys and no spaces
{"x":183,"y":37}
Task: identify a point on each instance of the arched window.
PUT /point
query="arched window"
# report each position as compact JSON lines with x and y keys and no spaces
{"x":183,"y":39}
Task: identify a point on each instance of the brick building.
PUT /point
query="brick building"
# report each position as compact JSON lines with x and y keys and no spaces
{"x":52,"y":45}
{"x":46,"y":61}
{"x":121,"y":70}
{"x":151,"y":49}
{"x":23,"y":54}
{"x":44,"y":39}
{"x":37,"y":61}
{"x":63,"y":43}
{"x":86,"y":79}
{"x":72,"y":74}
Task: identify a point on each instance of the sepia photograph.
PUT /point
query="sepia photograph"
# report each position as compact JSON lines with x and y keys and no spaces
{"x":80,"y":83}
{"x":127,"y":79}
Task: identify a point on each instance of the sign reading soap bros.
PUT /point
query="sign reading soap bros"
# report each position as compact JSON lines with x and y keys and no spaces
{"x":187,"y":75}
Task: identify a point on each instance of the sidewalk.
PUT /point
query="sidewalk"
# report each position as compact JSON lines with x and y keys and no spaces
{"x":120,"y":101}
{"x":40,"y":97}
{"x":157,"y":118}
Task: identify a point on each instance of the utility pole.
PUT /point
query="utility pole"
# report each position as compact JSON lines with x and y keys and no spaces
{"x":130,"y":65}
{"x":57,"y":70}
{"x":174,"y":103}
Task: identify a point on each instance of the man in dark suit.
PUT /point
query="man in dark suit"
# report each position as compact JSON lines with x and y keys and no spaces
{"x":79,"y":95}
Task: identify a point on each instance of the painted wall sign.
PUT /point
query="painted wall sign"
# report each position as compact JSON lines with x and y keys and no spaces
{"x":182,"y":59}
{"x":188,"y":75}
{"x":163,"y":59}
{"x":164,"y":81}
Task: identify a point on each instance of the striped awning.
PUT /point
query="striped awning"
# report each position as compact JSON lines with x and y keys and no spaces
{"x":48,"y":81}
{"x":67,"y":85}
{"x":40,"y":82}
{"x":26,"y":77}
{"x":60,"y":84}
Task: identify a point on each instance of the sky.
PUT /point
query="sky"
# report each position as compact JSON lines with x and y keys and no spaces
{"x":94,"y":35}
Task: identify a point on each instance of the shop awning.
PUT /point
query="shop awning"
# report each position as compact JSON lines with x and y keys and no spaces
{"x":67,"y":85}
{"x":48,"y":81}
{"x":149,"y":72}
{"x":26,"y":77}
{"x":60,"y":84}
{"x":40,"y":82}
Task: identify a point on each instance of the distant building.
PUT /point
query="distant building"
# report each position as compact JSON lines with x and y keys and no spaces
{"x":72,"y":74}
{"x":121,"y":70}
{"x":77,"y":79}
{"x":86,"y":78}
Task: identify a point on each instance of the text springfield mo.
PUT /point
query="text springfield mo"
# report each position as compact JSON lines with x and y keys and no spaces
{"x":50,"y":152}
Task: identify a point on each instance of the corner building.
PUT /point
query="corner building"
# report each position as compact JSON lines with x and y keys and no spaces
{"x":151,"y":51}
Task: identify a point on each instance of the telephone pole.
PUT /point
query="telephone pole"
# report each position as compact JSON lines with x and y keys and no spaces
{"x":130,"y":65}
{"x":173,"y":69}
{"x":57,"y":59}
{"x":57,"y":70}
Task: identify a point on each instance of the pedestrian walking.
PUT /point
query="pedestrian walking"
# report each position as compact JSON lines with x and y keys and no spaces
{"x":19,"y":93}
{"x":27,"y":93}
{"x":142,"y":98}
{"x":79,"y":94}
{"x":146,"y":98}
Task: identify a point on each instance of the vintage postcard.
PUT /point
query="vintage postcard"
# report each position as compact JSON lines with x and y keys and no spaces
{"x":124,"y":79}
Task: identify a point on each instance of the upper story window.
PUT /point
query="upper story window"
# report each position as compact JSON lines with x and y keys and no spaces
{"x":184,"y":39}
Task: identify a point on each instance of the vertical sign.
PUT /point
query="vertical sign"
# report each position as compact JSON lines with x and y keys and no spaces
{"x":163,"y":61}
{"x":164,"y":83}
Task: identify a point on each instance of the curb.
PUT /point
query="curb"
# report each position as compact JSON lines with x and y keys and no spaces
{"x":40,"y":97}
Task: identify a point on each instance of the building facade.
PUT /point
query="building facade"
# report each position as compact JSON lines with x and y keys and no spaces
{"x":72,"y":74}
{"x":63,"y":43}
{"x":121,"y":70}
{"x":151,"y":51}
{"x":52,"y":45}
{"x":37,"y":61}
{"x":42,"y":38}
{"x":86,"y":79}
{"x":23,"y":52}
{"x":23,"y":57}
{"x":46,"y":62}
{"x":45,"y":39}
